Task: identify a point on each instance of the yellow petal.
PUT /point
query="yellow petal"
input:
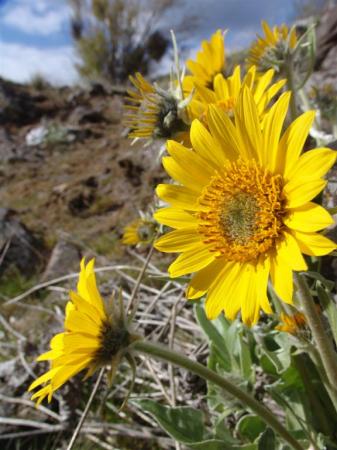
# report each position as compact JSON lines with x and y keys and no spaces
{"x":67,"y":372}
{"x":205,"y":145}
{"x":292,"y":142}
{"x":248,"y":124}
{"x":282,"y":279}
{"x":308,"y":218}
{"x":190,"y":161}
{"x":222,"y":292}
{"x":79,"y":322}
{"x":178,"y":196}
{"x":204,"y":278}
{"x":314,"y":244}
{"x":300,"y":191}
{"x":175,"y":218}
{"x":289,"y":252}
{"x":181,"y":240}
{"x":272,"y":128}
{"x":191,"y":261}
{"x":43,"y":378}
{"x":192,"y":179}
{"x":224,"y":132}
{"x":312,"y":164}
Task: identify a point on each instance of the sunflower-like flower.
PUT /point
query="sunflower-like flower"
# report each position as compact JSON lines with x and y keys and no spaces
{"x":209,"y":62}
{"x":140,"y":231}
{"x":271,"y":49}
{"x":292,"y":324}
{"x":93,"y":337}
{"x":242,"y":210}
{"x":226,"y":92}
{"x":154,"y":113}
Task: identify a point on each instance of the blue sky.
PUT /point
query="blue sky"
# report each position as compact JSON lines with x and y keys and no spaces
{"x":35,"y":35}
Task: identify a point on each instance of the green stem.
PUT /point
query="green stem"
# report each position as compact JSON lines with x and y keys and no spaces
{"x":289,"y":73}
{"x":324,"y":344}
{"x":246,"y":399}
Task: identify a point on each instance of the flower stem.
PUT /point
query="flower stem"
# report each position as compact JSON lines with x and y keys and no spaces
{"x":324,"y":344}
{"x":289,"y":73}
{"x":86,"y":410}
{"x":246,"y":399}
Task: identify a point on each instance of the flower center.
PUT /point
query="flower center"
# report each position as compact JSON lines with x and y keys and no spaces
{"x":113,"y":338}
{"x":242,"y":211}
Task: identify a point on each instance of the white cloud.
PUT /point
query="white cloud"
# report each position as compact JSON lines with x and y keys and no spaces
{"x":20,"y":63}
{"x":39,"y":17}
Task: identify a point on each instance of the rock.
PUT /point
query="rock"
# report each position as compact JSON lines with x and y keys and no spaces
{"x":85,"y":114}
{"x":64,"y":259}
{"x":18,"y":245}
{"x":325,"y":69}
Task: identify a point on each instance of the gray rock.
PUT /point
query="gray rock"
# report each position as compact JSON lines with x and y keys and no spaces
{"x":64,"y":258}
{"x":18,"y":245}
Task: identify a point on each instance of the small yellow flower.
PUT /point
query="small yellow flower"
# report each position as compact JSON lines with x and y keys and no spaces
{"x":242,"y":209}
{"x":271,"y":49}
{"x":293,"y":324}
{"x":140,"y":231}
{"x":226,"y":92}
{"x":93,"y":337}
{"x":153,"y":113}
{"x":209,"y":62}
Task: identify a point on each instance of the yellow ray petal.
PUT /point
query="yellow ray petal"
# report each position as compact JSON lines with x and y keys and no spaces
{"x":178,"y":196}
{"x":272,"y":128}
{"x":222,"y":293}
{"x":288,"y":251}
{"x":182,"y":240}
{"x":292,"y":142}
{"x":204,"y":278}
{"x":312,"y":164}
{"x":308,"y":218}
{"x":282,"y":279}
{"x":191,"y":161}
{"x":205,"y":145}
{"x":224,"y":132}
{"x":314,"y":244}
{"x":191,"y":261}
{"x":175,"y":218}
{"x":300,"y":191}
{"x":192,"y":179}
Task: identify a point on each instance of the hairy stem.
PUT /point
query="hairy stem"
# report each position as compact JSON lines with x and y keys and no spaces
{"x":324,"y":344}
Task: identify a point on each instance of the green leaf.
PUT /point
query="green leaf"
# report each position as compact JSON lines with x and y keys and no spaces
{"x":183,"y":424}
{"x":250,"y":427}
{"x":214,"y":336}
{"x":267,"y":440}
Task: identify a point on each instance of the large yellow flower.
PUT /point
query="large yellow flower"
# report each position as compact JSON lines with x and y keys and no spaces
{"x":226,"y":91}
{"x":93,"y":337}
{"x":209,"y":62}
{"x":272,"y":47}
{"x":242,"y":209}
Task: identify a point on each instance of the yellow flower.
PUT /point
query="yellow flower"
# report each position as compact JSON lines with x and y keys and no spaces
{"x":270,"y":50}
{"x":209,"y":62}
{"x":139,"y":231}
{"x":242,"y":208}
{"x":226,"y":92}
{"x":293,"y":324}
{"x":154,"y":113}
{"x":93,"y":337}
